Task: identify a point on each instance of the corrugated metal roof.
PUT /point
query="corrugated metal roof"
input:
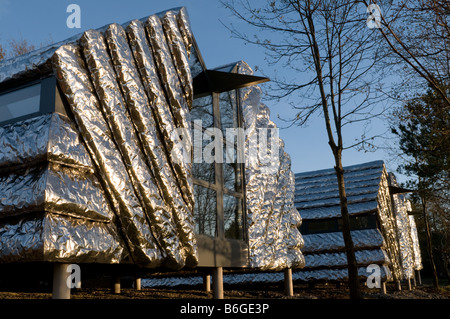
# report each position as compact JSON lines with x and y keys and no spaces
{"x":317,"y":193}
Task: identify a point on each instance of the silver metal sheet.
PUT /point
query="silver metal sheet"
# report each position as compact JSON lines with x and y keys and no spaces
{"x":335,"y":211}
{"x":362,"y":239}
{"x":368,"y":189}
{"x":265,"y":277}
{"x":114,"y":109}
{"x":386,"y":218}
{"x":337,"y":274}
{"x":274,"y":239}
{"x":403,"y":231}
{"x":75,"y":83}
{"x":161,"y":110}
{"x":179,"y":54}
{"x":55,"y":188}
{"x":339,"y":259}
{"x":147,"y":134}
{"x":184,"y":26}
{"x":49,"y":137}
{"x":77,"y":240}
{"x":174,"y":96}
{"x":56,"y":238}
{"x":168,"y":74}
{"x":415,"y":241}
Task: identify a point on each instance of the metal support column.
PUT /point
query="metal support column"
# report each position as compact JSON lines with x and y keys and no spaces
{"x":207,"y":282}
{"x":60,"y":288}
{"x":288,"y":285}
{"x":218,"y":282}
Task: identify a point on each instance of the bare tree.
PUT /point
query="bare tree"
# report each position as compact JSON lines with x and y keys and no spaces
{"x":19,"y":47}
{"x":416,"y":34}
{"x":333,"y":54}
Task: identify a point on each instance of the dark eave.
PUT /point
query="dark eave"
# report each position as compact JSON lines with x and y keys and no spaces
{"x":399,"y":190}
{"x":217,"y":81}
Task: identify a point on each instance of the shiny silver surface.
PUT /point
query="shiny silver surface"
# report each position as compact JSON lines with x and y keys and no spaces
{"x":416,"y":247}
{"x":367,"y":187}
{"x":75,"y":83}
{"x":53,"y":188}
{"x":147,"y":136}
{"x":403,"y":231}
{"x":362,"y":239}
{"x":49,"y":137}
{"x":160,"y":108}
{"x":179,"y":53}
{"x":53,"y":237}
{"x":264,"y":277}
{"x":177,"y":103}
{"x":274,"y":238}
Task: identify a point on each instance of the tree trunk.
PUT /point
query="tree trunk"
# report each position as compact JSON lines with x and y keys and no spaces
{"x":429,"y":244}
{"x":353,"y":282}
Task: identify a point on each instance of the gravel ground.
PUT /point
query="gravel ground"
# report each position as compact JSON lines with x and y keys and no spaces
{"x":240,"y":292}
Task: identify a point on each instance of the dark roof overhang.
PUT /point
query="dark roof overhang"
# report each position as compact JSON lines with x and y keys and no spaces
{"x":217,"y":81}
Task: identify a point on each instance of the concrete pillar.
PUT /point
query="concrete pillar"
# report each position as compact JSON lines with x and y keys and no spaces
{"x":398,"y":285}
{"x":288,"y":285}
{"x":60,"y":288}
{"x":408,"y":282}
{"x":383,"y":287}
{"x":137,"y":283}
{"x":218,"y":282}
{"x":419,"y":279}
{"x":207,"y":282}
{"x":115,"y":289}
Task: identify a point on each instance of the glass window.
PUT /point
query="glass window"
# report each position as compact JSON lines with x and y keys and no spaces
{"x":233,"y":217}
{"x":205,"y":211}
{"x":228,"y":110}
{"x":232,"y":171}
{"x":20,"y":102}
{"x":202,"y":109}
{"x":219,"y":207}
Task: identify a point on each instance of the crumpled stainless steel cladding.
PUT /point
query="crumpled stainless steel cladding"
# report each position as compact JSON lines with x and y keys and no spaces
{"x":415,"y":242}
{"x":387,"y":226}
{"x":45,"y":168}
{"x":161,"y":110}
{"x":184,"y":26}
{"x":49,"y":137}
{"x":55,"y":188}
{"x":169,"y":77}
{"x":114,"y":109}
{"x":76,"y":84}
{"x":274,"y":238}
{"x":179,"y":54}
{"x":147,"y":134}
{"x":57,"y":238}
{"x":404,"y":236}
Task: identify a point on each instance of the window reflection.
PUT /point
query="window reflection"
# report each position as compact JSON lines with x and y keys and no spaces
{"x":232,"y":214}
{"x":205,"y":211}
{"x":232,"y":171}
{"x":204,"y":171}
{"x":20,"y":102}
{"x":228,"y":110}
{"x":202,"y":109}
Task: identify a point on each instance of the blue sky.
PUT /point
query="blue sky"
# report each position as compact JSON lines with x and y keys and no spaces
{"x":45,"y":20}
